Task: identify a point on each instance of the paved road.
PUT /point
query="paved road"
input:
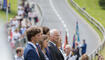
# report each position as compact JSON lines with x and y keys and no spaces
{"x":70,"y":17}
{"x":58,"y":14}
{"x":5,"y":50}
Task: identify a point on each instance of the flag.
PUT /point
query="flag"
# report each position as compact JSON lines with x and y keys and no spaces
{"x":5,"y":4}
{"x":73,"y":46}
{"x":77,"y":32}
{"x":66,"y":40}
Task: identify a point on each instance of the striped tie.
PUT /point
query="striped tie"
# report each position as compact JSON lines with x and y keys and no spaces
{"x":37,"y":51}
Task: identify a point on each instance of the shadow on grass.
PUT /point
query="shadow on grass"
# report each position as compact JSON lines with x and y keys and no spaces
{"x":102,"y":4}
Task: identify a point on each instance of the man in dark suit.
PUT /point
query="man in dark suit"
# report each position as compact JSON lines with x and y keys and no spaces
{"x":55,"y":52}
{"x":31,"y":52}
{"x":84,"y":47}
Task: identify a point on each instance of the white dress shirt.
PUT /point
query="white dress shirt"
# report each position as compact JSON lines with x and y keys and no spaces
{"x":34,"y":47}
{"x":19,"y":57}
{"x":70,"y":57}
{"x":32,"y":44}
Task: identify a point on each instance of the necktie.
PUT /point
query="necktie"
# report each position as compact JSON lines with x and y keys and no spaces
{"x":37,"y":51}
{"x":67,"y":58}
{"x":47,"y":49}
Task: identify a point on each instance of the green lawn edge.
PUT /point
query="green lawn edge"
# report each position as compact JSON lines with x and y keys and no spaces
{"x":14,"y":8}
{"x":93,"y":26}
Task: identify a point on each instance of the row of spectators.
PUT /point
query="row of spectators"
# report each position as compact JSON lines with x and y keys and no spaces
{"x":42,"y":43}
{"x":49,"y":43}
{"x":46,"y":44}
{"x":26,"y":17}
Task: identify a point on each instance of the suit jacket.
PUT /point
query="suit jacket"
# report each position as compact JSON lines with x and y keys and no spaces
{"x":42,"y":57}
{"x":84,"y":47}
{"x":30,"y":53}
{"x":48,"y":53}
{"x":55,"y":52}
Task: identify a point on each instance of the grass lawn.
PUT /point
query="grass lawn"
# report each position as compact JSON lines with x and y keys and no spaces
{"x":103,"y":52}
{"x":14,"y":4}
{"x":100,"y":34}
{"x":95,"y":10}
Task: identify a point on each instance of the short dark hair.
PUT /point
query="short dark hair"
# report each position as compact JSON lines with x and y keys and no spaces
{"x":18,"y":50}
{"x":83,"y":40}
{"x":32,"y":31}
{"x":45,"y":30}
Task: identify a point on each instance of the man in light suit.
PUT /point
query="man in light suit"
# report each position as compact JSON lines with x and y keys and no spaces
{"x":31,"y":52}
{"x":55,"y":52}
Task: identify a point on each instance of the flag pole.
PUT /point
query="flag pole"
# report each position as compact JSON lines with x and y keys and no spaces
{"x":7,"y":11}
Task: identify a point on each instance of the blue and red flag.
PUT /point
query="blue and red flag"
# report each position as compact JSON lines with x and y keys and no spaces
{"x":66,"y":40}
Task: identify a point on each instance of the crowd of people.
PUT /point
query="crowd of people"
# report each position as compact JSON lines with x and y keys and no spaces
{"x":18,"y":24}
{"x":46,"y":44}
{"x":39,"y":43}
{"x":42,"y":43}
